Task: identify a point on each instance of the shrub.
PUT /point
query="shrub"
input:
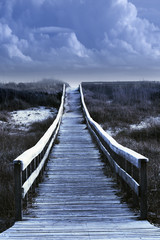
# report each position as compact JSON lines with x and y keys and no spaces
{"x":41,"y":126}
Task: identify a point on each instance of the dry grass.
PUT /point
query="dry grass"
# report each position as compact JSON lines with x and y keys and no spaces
{"x":13,"y":144}
{"x":117,"y":106}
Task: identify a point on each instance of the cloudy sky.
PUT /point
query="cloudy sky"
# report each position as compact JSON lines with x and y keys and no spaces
{"x":79,"y":40}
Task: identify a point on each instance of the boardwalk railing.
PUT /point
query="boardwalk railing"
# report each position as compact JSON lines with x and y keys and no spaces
{"x":29,"y":166}
{"x":130,"y":166}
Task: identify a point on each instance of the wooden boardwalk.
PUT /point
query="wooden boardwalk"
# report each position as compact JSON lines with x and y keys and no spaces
{"x":77,"y":200}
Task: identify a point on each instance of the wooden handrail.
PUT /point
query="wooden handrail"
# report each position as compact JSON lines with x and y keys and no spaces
{"x":30,"y":164}
{"x":124,"y":161}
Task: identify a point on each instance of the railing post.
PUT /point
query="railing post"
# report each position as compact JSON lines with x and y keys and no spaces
{"x":18,"y":190}
{"x":143,"y":190}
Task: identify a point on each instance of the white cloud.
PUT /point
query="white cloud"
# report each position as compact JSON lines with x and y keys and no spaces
{"x":10,"y":44}
{"x":52,"y":29}
{"x":77,"y":33}
{"x":76,"y":47}
{"x":132,"y":34}
{"x":14,"y":52}
{"x":6,"y":33}
{"x":38,"y":2}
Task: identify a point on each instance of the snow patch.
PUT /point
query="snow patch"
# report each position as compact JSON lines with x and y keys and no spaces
{"x":113,"y":131}
{"x":147,"y":122}
{"x":22,"y":119}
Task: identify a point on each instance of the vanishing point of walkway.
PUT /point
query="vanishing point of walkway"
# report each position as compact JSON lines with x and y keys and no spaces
{"x":77,"y":200}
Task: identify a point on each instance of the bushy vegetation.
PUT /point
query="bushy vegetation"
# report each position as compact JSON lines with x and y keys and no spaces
{"x":118,"y":106}
{"x":14,"y":143}
{"x":23,"y":95}
{"x":134,"y":100}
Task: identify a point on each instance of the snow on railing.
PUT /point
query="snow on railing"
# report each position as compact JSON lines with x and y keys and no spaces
{"x":29,"y":166}
{"x":123,"y":160}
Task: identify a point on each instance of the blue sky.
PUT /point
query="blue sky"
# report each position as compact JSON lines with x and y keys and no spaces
{"x":77,"y":40}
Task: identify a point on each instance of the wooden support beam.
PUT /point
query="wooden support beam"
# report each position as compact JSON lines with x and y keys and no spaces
{"x":18,"y":190}
{"x":130,"y":159}
{"x":143,"y":190}
{"x":29,"y":165}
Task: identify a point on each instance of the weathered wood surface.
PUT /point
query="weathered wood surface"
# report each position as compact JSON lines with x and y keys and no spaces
{"x":30,"y":164}
{"x":121,"y":159}
{"x":77,"y":200}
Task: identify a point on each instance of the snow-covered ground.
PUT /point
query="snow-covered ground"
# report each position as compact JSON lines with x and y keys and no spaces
{"x":147,"y":122}
{"x":22,"y":119}
{"x":143,"y":124}
{"x":113,"y":131}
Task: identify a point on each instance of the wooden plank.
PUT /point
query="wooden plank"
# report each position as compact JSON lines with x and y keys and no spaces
{"x":77,"y":201}
{"x":28,"y":183}
{"x":18,"y":190}
{"x":128,"y":179}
